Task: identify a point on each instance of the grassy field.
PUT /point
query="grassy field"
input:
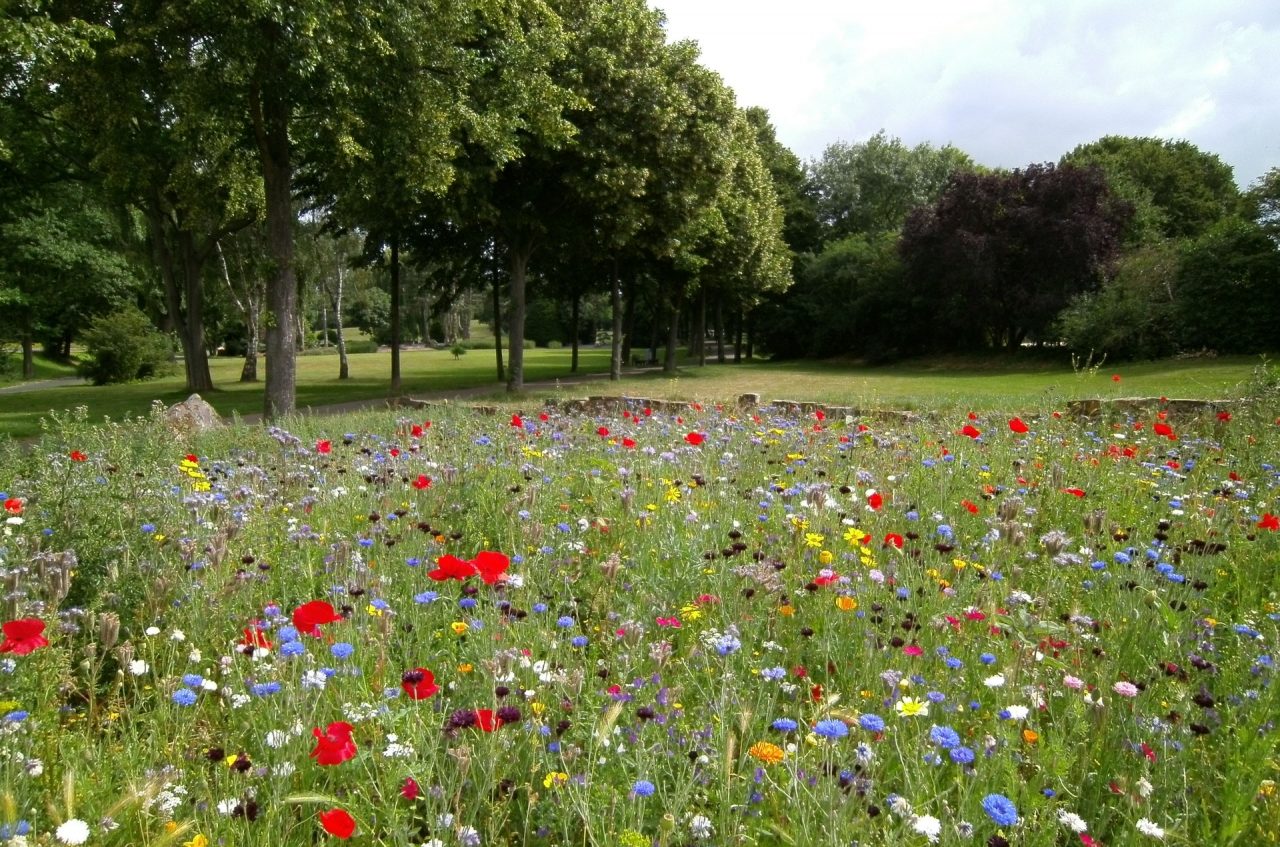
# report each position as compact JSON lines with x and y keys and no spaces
{"x":937,"y":384}
{"x":11,"y":374}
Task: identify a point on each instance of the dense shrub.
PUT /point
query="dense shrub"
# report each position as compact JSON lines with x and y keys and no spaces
{"x":123,"y":346}
{"x":1133,"y":315}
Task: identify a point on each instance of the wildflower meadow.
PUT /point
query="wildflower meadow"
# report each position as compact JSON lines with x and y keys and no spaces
{"x":675,"y":626}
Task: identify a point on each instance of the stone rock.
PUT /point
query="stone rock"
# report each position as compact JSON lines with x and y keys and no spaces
{"x":192,"y":416}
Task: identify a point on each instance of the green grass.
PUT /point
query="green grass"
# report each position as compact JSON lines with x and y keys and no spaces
{"x":980,"y":383}
{"x":45,"y":369}
{"x":422,"y":371}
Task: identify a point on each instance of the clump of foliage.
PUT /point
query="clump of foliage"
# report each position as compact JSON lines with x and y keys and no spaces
{"x":122,"y":347}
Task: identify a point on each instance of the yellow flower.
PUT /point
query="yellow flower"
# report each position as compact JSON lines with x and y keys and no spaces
{"x":459,"y":628}
{"x":813,"y":539}
{"x":672,"y":495}
{"x":466,"y":667}
{"x":690,"y":611}
{"x":826,"y":557}
{"x":537,"y":707}
{"x":845,"y":603}
{"x":198,"y":841}
{"x":554,"y":779}
{"x":763,"y":751}
{"x":787,"y":610}
{"x":854,"y":535}
{"x":910,"y":707}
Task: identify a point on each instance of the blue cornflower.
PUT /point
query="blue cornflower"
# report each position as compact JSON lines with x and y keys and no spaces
{"x":961,"y":755}
{"x":539,"y":608}
{"x":342,"y":650}
{"x":954,"y":663}
{"x":287,"y":633}
{"x":265,"y":689}
{"x":643,"y":788}
{"x":564,"y":621}
{"x":774,"y":674}
{"x":831,"y":728}
{"x":17,"y":716}
{"x":1000,"y":809}
{"x":945,"y":737}
{"x":426,"y":597}
{"x":413,"y":561}
{"x":289,"y":649}
{"x":184,"y":697}
{"x":467,"y":602}
{"x":987,"y":659}
{"x":192,"y":680}
{"x":579,"y":641}
{"x":871,"y":723}
{"x":148,"y":528}
{"x":785,"y":725}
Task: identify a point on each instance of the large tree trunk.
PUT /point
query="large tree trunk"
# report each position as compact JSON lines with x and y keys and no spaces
{"x":629,"y":319}
{"x":673,"y":336}
{"x":193,"y":349}
{"x":515,"y":355}
{"x":574,"y":314}
{"x":395,"y":314}
{"x":737,"y":337}
{"x":271,"y":127}
{"x":615,"y":312}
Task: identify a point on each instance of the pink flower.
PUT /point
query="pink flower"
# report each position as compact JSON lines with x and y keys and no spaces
{"x":1125,"y":689}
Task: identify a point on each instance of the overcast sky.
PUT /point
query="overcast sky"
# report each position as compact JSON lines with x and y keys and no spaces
{"x":1010,"y":82}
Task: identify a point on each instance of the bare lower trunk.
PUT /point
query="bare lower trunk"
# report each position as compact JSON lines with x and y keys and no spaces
{"x":720,"y":330}
{"x":700,"y":332}
{"x":615,"y":308}
{"x":737,"y":337}
{"x":28,"y":356}
{"x":515,"y":354}
{"x":575,"y":315}
{"x":497,"y":324}
{"x":673,"y":338}
{"x":395,"y":314}
{"x":344,"y":367}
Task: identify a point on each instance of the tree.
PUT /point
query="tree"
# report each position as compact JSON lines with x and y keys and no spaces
{"x":1228,"y":290}
{"x":1177,"y":190}
{"x":1262,"y":202}
{"x":999,"y":255}
{"x":870,"y":187}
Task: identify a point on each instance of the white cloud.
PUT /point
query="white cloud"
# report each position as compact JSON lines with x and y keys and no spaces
{"x":1009,"y":81}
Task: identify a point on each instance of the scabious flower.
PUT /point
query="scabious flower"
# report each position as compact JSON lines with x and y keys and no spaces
{"x":643,"y":788}
{"x":1000,"y":809}
{"x":1125,"y":689}
{"x":72,"y":832}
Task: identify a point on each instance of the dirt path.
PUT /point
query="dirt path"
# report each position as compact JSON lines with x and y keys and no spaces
{"x":41,"y":384}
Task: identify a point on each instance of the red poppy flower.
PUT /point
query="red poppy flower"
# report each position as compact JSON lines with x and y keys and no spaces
{"x":192,"y":458}
{"x":1269,"y":521}
{"x":892,"y":539}
{"x":973,"y":416}
{"x":333,"y":745}
{"x":603,"y":432}
{"x":13,"y":506}
{"x":490,"y":565}
{"x":1224,"y":416}
{"x":828,"y":579}
{"x":1115,"y":377}
{"x":309,"y":617}
{"x":1165,"y":430}
{"x":970,"y":506}
{"x":629,"y":443}
{"x":416,"y":431}
{"x":971,"y":431}
{"x":338,"y":823}
{"x":487,"y":720}
{"x":410,"y":789}
{"x":324,"y":446}
{"x":395,"y":451}
{"x":77,"y":456}
{"x":694,"y":438}
{"x":422,"y":483}
{"x":820,"y":415}
{"x":255,"y":639}
{"x":1016,"y":425}
{"x":517,"y":422}
{"x":419,"y":683}
{"x":875,"y":500}
{"x":1074,"y":492}
{"x":23,"y":636}
{"x":449,"y":566}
